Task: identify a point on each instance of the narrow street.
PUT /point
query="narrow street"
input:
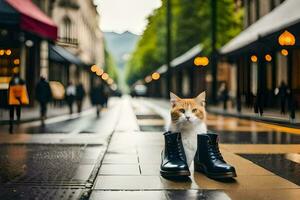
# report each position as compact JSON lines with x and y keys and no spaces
{"x":71,"y":157}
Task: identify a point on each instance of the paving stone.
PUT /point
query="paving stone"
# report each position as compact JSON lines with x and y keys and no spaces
{"x":120,"y":158}
{"x":198,"y":194}
{"x":119,"y":169}
{"x":262,"y":194}
{"x":128,"y":183}
{"x":132,"y":195}
{"x":150,"y":169}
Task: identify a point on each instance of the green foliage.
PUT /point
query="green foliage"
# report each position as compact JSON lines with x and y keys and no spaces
{"x":110,"y":67}
{"x":191,"y":25}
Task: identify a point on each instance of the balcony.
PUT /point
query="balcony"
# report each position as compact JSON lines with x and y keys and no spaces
{"x":69,"y":42}
{"x":68,"y":4}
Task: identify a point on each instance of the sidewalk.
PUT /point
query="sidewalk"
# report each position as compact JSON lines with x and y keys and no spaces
{"x":33,"y":113}
{"x":271,"y":116}
{"x":57,"y":165}
{"x":130,"y":168}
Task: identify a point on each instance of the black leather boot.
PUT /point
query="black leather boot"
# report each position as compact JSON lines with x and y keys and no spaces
{"x":209,"y":160}
{"x":173,"y":161}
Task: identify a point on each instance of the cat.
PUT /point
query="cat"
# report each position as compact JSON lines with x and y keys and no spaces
{"x":188,"y":116}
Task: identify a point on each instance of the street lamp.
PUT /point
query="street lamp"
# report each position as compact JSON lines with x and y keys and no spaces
{"x":8,"y":52}
{"x":214,"y":52}
{"x":254,"y":58}
{"x":110,"y":81}
{"x":168,"y":43}
{"x":148,"y":79}
{"x":201,"y":61}
{"x":105,"y":76}
{"x":284,"y":52}
{"x":155,"y":76}
{"x":268,"y":57}
{"x":99,"y":71}
{"x":17,"y":61}
{"x":286,"y":39}
{"x":94,"y":68}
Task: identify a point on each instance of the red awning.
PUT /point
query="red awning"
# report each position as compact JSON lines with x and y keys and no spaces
{"x":33,"y":19}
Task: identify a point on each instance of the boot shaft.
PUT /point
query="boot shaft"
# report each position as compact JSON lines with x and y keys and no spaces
{"x":173,"y":146}
{"x":207,"y":147}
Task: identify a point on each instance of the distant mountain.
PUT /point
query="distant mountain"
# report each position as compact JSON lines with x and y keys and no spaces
{"x":120,"y":46}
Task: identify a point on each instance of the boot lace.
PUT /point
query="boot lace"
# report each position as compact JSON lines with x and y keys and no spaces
{"x":176,"y":151}
{"x":214,"y":152}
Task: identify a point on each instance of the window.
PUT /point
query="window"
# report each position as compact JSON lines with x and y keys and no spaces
{"x":67,"y":32}
{"x":67,"y":28}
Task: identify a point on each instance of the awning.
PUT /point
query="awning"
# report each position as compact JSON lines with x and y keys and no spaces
{"x":8,"y":15}
{"x":61,"y":55}
{"x":28,"y":16}
{"x":282,"y":17}
{"x":184,"y":58}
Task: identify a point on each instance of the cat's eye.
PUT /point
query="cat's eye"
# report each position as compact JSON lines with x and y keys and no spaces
{"x":182,"y":110}
{"x":194,"y":110}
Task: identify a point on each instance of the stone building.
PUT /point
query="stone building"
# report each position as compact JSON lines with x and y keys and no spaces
{"x":57,"y":39}
{"x":79,"y":33}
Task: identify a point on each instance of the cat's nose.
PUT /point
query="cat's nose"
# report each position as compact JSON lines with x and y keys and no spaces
{"x":188,"y":117}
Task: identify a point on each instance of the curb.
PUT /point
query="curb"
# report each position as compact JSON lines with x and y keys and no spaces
{"x":284,"y":123}
{"x":34,"y":119}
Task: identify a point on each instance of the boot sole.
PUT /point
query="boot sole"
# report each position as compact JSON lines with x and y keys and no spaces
{"x":175,"y":173}
{"x":202,"y":169}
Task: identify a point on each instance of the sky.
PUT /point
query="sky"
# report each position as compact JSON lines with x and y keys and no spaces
{"x":125,"y":15}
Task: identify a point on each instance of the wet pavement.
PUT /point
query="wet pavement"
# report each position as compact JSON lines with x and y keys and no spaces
{"x":118,"y":155}
{"x":130,"y":168}
{"x":56,"y":161}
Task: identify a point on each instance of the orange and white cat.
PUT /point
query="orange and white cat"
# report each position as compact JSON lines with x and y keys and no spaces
{"x":188,"y":116}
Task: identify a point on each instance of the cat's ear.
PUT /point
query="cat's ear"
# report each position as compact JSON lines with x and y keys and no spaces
{"x":173,"y":99}
{"x":200,"y":99}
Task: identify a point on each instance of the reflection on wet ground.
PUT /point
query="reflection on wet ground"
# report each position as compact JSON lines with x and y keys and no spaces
{"x":63,"y":127}
{"x":60,"y":171}
{"x":283,"y":165}
{"x":152,"y":116}
{"x":270,"y":137}
{"x":151,"y":128}
{"x":40,"y":163}
{"x":23,"y":192}
{"x":197,"y":194}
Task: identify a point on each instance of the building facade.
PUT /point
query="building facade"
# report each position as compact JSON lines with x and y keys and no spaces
{"x":79,"y":32}
{"x":256,"y":63}
{"x":61,"y":42}
{"x":24,"y":29}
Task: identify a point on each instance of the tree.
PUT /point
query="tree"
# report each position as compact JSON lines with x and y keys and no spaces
{"x":190,"y":26}
{"x":110,"y":66}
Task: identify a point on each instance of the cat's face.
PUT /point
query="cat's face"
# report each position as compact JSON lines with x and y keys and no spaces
{"x":187,"y":112}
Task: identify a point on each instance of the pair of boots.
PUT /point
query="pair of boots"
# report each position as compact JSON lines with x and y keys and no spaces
{"x":208,"y":158}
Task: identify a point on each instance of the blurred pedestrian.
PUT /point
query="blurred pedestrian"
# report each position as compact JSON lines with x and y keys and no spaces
{"x":239,"y":103}
{"x":43,"y":96}
{"x":17,"y":96}
{"x":283,"y":92}
{"x":292,"y":106}
{"x":224,"y":94}
{"x":106,"y":96}
{"x":80,"y":93}
{"x":259,"y":104}
{"x":70,"y":95}
{"x":98,"y":96}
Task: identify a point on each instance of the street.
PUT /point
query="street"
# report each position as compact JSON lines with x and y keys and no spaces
{"x":139,"y":99}
{"x":118,"y":156}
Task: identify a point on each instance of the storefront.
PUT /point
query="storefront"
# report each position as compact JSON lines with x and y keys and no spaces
{"x":187,"y":79}
{"x":65,"y":67}
{"x":23,"y":28}
{"x":260,"y":62}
